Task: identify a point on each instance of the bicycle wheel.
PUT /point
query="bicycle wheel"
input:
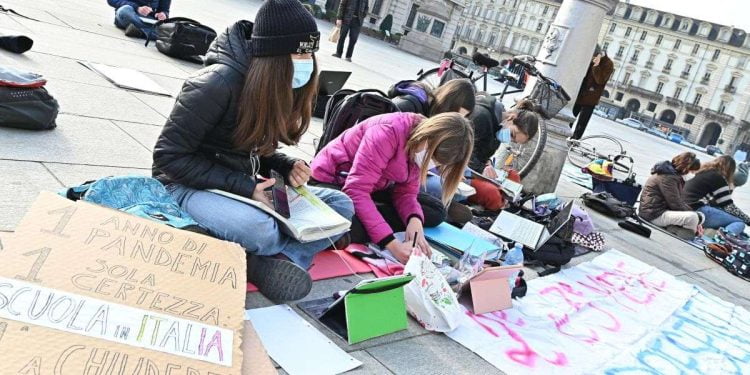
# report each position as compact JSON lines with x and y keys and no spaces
{"x":525,"y":156}
{"x":432,"y":79}
{"x":593,"y":147}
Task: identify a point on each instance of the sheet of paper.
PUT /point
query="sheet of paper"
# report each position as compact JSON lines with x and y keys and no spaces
{"x":94,"y":290}
{"x":127,"y":78}
{"x":296,"y":345}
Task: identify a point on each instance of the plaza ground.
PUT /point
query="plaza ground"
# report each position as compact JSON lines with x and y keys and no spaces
{"x":103,"y":130}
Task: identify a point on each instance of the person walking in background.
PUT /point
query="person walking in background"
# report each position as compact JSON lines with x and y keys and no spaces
{"x":130,"y":15}
{"x":592,"y":87}
{"x":350,"y":17}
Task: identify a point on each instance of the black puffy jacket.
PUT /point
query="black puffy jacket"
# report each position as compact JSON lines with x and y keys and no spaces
{"x":486,"y":125}
{"x":195,"y":147}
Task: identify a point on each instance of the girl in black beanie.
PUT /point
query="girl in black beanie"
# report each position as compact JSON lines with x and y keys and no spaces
{"x":254,"y":94}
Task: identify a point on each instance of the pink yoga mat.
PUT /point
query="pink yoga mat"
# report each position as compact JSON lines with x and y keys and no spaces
{"x":328,"y":264}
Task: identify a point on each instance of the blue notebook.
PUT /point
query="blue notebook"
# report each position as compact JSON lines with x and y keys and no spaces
{"x":448,"y":235}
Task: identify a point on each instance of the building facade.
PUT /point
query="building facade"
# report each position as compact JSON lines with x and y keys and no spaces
{"x":684,"y":75}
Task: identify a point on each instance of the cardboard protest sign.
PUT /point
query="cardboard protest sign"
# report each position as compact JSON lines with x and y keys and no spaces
{"x":89,"y":290}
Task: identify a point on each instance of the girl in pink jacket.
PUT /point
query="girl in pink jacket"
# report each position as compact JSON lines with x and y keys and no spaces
{"x":381,"y":163}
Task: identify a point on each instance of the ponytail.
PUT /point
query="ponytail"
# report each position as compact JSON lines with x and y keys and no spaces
{"x":527,"y":117}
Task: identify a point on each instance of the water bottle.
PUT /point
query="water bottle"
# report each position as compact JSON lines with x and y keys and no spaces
{"x":514,"y":257}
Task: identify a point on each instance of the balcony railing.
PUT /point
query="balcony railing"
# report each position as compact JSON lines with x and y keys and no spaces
{"x":618,"y":57}
{"x":674,"y":101}
{"x":643,"y":92}
{"x":730,"y":89}
{"x":684,"y":75}
{"x":714,"y":115}
{"x":649,"y":64}
{"x":693,"y":108}
{"x":666,"y":70}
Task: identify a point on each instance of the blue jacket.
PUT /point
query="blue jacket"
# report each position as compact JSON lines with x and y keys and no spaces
{"x":156,"y":5}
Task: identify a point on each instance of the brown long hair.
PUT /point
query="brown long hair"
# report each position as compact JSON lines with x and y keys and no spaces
{"x":270,"y":111}
{"x":452,"y":96}
{"x":725,"y":165}
{"x":685,"y":163}
{"x":527,"y":119}
{"x":449,"y":138}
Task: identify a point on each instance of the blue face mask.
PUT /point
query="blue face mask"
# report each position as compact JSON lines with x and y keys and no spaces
{"x":302,"y":72}
{"x":504,"y":136}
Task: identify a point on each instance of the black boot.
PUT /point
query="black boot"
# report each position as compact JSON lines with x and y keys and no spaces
{"x":278,"y":279}
{"x":134,"y":32}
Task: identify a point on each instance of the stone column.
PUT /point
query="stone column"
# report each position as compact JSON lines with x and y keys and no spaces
{"x":564,"y":56}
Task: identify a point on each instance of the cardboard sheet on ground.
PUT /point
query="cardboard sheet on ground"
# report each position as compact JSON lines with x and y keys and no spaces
{"x":609,"y":306}
{"x":127,"y":78}
{"x":84,"y":287}
{"x":296,"y":345}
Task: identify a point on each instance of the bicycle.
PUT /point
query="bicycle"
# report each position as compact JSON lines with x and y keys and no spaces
{"x":546,"y":92}
{"x":510,"y":76}
{"x":587,"y":149}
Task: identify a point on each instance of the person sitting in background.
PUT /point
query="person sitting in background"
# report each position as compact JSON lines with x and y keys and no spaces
{"x":381,"y":163}
{"x":710,"y":193}
{"x":129,"y":15}
{"x":454,"y":96}
{"x":740,"y":175}
{"x":662,"y":201}
{"x":494,"y":129}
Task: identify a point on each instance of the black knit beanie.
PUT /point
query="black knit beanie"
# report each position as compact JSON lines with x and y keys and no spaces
{"x":284,"y":27}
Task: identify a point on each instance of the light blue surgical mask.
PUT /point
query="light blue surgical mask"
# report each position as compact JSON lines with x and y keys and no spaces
{"x":302,"y":72}
{"x":504,"y":136}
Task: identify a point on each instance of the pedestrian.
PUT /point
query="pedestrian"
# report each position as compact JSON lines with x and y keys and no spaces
{"x":137,"y":17}
{"x":592,"y":87}
{"x":350,"y":17}
{"x":254,"y":94}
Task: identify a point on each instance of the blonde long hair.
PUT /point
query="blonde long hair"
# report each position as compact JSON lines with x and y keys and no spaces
{"x":450,"y":139}
{"x":725,"y":165}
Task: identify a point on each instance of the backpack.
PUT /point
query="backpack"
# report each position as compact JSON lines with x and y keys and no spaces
{"x":606,"y":204}
{"x":137,"y":195}
{"x":347,"y":108}
{"x":183,"y":38}
{"x":556,"y":252}
{"x":27,"y":108}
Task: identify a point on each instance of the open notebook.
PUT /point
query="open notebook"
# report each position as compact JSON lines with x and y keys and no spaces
{"x":311,"y":219}
{"x":530,"y":234}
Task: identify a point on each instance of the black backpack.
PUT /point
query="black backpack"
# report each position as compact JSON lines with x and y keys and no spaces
{"x":27,"y":108}
{"x":556,"y":252}
{"x":183,"y":38}
{"x":606,"y":204}
{"x":347,"y":108}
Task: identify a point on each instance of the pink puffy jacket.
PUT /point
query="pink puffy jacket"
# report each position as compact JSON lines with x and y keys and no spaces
{"x":373,"y":157}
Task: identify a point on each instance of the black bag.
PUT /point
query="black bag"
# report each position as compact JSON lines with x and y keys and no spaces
{"x":556,"y":252}
{"x":27,"y":108}
{"x":606,"y":204}
{"x":183,"y":38}
{"x":347,"y":108}
{"x":635,"y":225}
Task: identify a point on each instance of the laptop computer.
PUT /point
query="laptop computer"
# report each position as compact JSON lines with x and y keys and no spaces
{"x":531,"y":234}
{"x":331,"y":81}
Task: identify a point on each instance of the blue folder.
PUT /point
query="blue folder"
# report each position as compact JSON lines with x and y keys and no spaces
{"x":450,"y":236}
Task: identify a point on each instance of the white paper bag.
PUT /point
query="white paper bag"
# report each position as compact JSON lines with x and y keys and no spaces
{"x":429,"y":298}
{"x":334,"y":37}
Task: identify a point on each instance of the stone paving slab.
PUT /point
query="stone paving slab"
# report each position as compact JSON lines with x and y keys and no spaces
{"x":431,"y":354}
{"x":720,"y":282}
{"x":76,"y":140}
{"x":22,"y":182}
{"x":76,"y":174}
{"x":53,"y":68}
{"x":102,"y":102}
{"x":160,"y":104}
{"x":145,"y":135}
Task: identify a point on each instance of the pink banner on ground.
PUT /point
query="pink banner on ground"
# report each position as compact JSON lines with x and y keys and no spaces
{"x":582,"y":320}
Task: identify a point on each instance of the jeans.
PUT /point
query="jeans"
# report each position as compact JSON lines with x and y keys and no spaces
{"x":253,"y":229}
{"x":126,"y":15}
{"x":717,"y":218}
{"x":583,"y":112}
{"x":352,"y":29}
